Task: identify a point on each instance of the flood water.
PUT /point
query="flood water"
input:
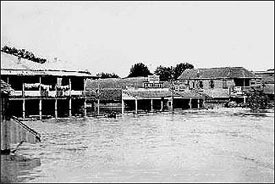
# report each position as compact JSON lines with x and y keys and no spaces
{"x":225,"y":145}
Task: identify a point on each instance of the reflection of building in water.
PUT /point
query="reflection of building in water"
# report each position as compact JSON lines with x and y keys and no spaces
{"x":43,"y":90}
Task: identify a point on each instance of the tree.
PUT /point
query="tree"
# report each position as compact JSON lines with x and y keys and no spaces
{"x":257,"y":100}
{"x":139,"y":69}
{"x":107,"y":75}
{"x":180,"y":68}
{"x":165,"y":73}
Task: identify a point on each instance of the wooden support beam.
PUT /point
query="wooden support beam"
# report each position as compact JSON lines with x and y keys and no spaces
{"x":70,"y":106}
{"x":55,"y":108}
{"x":190,"y":103}
{"x":161,"y":105}
{"x":136,"y":106}
{"x":40,"y":109}
{"x":198,"y":103}
{"x":98,"y":102}
{"x":24,"y":108}
{"x":85,"y":107}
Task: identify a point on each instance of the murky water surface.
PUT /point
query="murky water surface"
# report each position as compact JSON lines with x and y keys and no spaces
{"x":189,"y":146}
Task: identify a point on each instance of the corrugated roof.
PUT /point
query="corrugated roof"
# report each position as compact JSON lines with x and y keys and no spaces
{"x":222,"y":72}
{"x":10,"y":65}
{"x":5,"y":87}
{"x":120,"y":83}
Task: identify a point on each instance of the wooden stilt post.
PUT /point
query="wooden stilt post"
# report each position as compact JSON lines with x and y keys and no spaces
{"x":198,"y":103}
{"x":161,"y":105}
{"x":136,"y":106}
{"x":40,"y":100}
{"x":85,"y":107}
{"x":55,"y":108}
{"x":40,"y":109}
{"x":244,"y":99}
{"x":70,"y":107}
{"x":98,"y":102}
{"x":24,"y":110}
{"x":152,"y":105}
{"x":190,"y":103}
{"x":23,"y":105}
{"x":70,"y":98}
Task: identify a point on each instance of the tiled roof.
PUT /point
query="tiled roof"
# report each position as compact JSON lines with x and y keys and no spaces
{"x":5,"y":87}
{"x":222,"y":72}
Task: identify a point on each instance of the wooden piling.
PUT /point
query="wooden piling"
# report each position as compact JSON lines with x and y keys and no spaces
{"x":55,"y":108}
{"x":161,"y":105}
{"x":136,"y":106}
{"x":198,"y":103}
{"x":70,"y":107}
{"x":190,"y":103}
{"x":85,"y":107}
{"x":24,"y":101}
{"x":40,"y":109}
{"x":70,"y":98}
{"x":98,"y":102}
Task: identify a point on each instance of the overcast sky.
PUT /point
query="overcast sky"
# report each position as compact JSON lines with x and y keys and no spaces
{"x":112,"y":36}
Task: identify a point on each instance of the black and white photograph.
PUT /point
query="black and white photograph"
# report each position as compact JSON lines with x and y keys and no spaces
{"x":137,"y":91}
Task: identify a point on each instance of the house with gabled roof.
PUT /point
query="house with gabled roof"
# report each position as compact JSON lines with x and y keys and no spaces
{"x":221,"y":82}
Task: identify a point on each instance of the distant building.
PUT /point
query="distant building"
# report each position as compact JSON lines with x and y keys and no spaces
{"x":220,"y":83}
{"x":267,"y":81}
{"x":267,"y":76}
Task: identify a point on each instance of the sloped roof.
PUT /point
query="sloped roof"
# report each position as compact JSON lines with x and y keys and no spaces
{"x":5,"y":87}
{"x":210,"y":73}
{"x":120,"y":82}
{"x":10,"y":65}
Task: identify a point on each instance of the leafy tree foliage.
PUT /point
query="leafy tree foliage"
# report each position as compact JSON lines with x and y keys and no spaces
{"x":138,"y":70}
{"x":257,"y":100}
{"x":107,"y":75}
{"x":180,"y":68}
{"x":168,"y":73}
{"x":165,"y":73}
{"x":23,"y":54}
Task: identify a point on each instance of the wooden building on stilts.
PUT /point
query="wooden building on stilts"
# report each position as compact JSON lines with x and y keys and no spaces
{"x":44,"y":90}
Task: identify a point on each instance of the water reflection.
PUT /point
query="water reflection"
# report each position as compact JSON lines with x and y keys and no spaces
{"x":17,"y":168}
{"x":187,"y":146}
